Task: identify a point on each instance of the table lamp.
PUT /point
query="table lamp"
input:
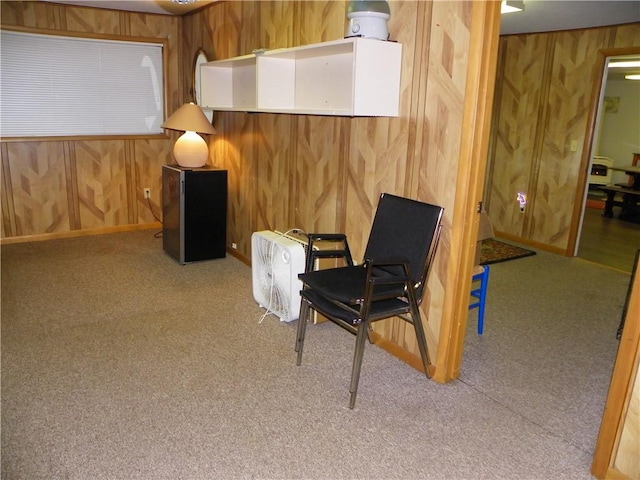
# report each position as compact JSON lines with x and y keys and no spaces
{"x":190,"y":150}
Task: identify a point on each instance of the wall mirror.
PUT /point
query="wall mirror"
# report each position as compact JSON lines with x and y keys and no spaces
{"x":199,"y":59}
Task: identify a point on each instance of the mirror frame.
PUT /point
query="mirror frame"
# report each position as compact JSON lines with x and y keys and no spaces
{"x":199,"y":58}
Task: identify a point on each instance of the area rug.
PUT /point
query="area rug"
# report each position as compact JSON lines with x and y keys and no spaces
{"x":495,"y":251}
{"x":598,"y":204}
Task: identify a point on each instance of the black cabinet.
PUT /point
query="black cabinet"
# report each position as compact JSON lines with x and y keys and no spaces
{"x":194,"y":211}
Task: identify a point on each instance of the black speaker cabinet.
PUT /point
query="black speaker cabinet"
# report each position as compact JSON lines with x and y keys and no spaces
{"x":194,"y":211}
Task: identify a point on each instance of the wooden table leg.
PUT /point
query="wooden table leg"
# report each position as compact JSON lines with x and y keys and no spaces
{"x":608,"y":205}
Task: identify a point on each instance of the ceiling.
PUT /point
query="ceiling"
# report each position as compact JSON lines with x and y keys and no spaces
{"x":550,"y":15}
{"x":538,"y":15}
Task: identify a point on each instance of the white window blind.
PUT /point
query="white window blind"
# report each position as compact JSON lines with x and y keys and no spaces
{"x":70,"y":86}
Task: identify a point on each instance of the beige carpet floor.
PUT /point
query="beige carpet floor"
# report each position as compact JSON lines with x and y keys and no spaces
{"x":119,"y":363}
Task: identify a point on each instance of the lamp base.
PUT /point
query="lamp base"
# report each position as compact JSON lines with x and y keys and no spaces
{"x":190,"y":150}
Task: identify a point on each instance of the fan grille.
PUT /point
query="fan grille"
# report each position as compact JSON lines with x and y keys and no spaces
{"x":276,"y":263}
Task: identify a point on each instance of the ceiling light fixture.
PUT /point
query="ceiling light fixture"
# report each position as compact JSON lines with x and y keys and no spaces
{"x":627,"y":64}
{"x":184,"y":2}
{"x":510,"y":6}
{"x":635,"y":76}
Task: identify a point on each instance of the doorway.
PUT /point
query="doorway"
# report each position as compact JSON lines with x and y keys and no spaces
{"x":615,"y":138}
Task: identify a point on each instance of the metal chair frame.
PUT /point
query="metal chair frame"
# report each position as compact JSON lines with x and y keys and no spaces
{"x":382,"y":288}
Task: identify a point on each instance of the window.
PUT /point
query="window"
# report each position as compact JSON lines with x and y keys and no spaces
{"x":74,"y":86}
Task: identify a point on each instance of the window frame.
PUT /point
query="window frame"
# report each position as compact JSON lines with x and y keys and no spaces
{"x":108,"y":37}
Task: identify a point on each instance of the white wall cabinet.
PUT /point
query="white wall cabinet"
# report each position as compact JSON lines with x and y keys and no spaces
{"x":348,"y":77}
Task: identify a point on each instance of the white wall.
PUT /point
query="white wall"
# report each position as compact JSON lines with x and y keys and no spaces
{"x":619,"y":135}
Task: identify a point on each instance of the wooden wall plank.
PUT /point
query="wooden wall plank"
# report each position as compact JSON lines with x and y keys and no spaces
{"x":93,"y":20}
{"x":32,"y":14}
{"x":517,"y":127}
{"x":276,"y":25}
{"x":438,"y":170}
{"x":274,"y":173}
{"x":148,"y":158}
{"x":102,"y":183}
{"x":627,"y":35}
{"x":574,"y":55}
{"x":72,"y":185}
{"x":6,"y":195}
{"x":38,"y":185}
{"x":319,"y":166}
{"x":319,"y":22}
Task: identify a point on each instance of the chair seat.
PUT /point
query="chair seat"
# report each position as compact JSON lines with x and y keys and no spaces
{"x":379,"y":309}
{"x":346,"y":284}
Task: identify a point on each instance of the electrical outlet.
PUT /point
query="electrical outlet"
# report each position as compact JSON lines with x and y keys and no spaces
{"x":147,"y":192}
{"x":234,"y":245}
{"x":522,"y":201}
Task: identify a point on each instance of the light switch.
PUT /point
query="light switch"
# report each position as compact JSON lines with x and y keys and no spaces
{"x":574,"y":145}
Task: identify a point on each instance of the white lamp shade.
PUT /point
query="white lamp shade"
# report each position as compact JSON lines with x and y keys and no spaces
{"x":190,"y":150}
{"x":189,"y":117}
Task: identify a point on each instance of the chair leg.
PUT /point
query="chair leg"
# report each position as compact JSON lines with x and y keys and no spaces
{"x":484,"y":280}
{"x":416,"y":319}
{"x":302,"y":327}
{"x":362,"y":334}
{"x":369,"y":334}
{"x":421,"y":339}
{"x":480,"y":294}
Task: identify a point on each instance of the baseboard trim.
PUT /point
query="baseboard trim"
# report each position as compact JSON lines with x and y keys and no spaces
{"x":531,"y":243}
{"x":407,"y":357}
{"x":234,"y":253}
{"x":78,"y":233}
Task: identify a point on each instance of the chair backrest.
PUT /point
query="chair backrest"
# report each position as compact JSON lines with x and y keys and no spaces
{"x":408,"y":229}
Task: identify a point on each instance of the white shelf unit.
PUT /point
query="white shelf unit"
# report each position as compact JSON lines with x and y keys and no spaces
{"x":229,"y":84}
{"x":349,"y":77}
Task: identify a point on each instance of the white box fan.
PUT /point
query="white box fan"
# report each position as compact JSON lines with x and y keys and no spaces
{"x":276,"y":262}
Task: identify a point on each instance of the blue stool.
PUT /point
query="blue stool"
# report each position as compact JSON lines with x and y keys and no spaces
{"x":481,"y":274}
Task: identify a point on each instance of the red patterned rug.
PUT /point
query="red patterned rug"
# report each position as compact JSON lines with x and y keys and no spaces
{"x":495,"y":251}
{"x":599,"y":204}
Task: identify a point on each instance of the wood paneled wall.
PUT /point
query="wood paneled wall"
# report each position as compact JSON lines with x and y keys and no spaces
{"x":544,"y":96}
{"x":77,"y":186}
{"x":326,"y":173}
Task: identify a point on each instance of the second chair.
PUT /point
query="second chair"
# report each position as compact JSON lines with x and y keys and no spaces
{"x":389,"y":283}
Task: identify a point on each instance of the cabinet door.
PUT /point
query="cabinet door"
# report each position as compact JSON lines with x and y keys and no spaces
{"x":205,"y":214}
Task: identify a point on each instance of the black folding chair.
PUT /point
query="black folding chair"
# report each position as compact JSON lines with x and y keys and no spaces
{"x":390,"y":282}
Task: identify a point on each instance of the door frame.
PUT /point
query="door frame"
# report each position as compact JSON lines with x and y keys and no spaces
{"x":599,"y":83}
